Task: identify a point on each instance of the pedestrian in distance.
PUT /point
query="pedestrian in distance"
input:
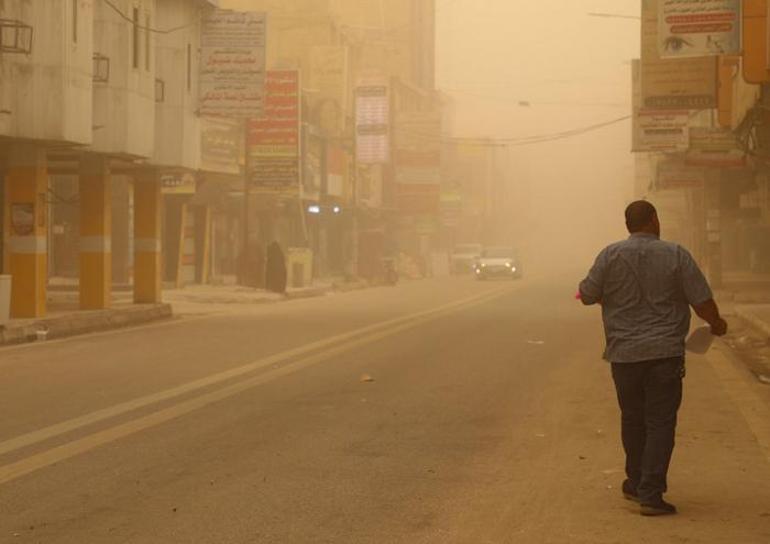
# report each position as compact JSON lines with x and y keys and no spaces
{"x":645,"y":287}
{"x":275,"y":277}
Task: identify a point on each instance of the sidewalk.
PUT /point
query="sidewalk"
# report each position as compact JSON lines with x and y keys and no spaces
{"x":744,"y":299}
{"x":66,"y":319}
{"x":206,"y":299}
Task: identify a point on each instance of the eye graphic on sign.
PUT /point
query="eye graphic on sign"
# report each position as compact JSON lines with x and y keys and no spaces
{"x":675,"y":44}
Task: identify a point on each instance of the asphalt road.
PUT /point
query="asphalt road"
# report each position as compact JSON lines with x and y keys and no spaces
{"x":446,"y":411}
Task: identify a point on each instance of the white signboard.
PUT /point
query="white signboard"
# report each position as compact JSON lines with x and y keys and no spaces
{"x":673,"y":83}
{"x":373,"y":121}
{"x":673,"y":173}
{"x":232,"y":71}
{"x":699,"y":28}
{"x":662,"y":130}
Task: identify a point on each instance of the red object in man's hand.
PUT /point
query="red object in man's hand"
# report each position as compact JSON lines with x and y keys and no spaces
{"x":578,"y":296}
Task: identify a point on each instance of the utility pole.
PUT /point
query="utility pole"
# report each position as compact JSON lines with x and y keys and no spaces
{"x":354,"y":216}
{"x":244,"y":268}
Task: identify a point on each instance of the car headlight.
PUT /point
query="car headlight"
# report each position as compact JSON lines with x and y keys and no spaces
{"x":509,"y":265}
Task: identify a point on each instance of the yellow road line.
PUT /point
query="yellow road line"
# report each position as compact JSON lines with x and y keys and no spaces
{"x":335,"y":345}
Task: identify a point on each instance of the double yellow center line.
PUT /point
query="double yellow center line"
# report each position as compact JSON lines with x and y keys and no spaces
{"x":291,"y":361}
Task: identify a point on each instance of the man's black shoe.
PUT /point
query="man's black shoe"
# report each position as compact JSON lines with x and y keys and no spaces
{"x":659,"y":508}
{"x":629,"y":491}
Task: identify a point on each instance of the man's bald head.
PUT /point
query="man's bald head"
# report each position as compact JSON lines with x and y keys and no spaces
{"x":641,"y":216}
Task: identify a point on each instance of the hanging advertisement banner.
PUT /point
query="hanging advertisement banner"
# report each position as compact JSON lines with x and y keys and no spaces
{"x":673,"y":83}
{"x":312,"y":163}
{"x":418,"y":199}
{"x":372,"y":121}
{"x":417,"y":161}
{"x":715,"y":148}
{"x":221,"y":145}
{"x":699,"y":28}
{"x":336,"y":171}
{"x":662,"y":130}
{"x":369,"y":183}
{"x":655,"y":130}
{"x":451,"y":202}
{"x":674,"y":173}
{"x":232,"y":63}
{"x":417,"y":143}
{"x":273,"y":140}
{"x":177,"y":183}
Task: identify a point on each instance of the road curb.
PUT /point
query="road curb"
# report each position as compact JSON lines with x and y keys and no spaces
{"x":82,"y":323}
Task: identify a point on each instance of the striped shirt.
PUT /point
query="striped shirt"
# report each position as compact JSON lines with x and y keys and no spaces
{"x":646,"y":287}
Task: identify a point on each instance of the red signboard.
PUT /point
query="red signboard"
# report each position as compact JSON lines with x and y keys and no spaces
{"x":274,"y":139}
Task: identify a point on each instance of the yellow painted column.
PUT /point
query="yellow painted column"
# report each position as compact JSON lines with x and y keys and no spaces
{"x":26,"y":197}
{"x":95,"y":233}
{"x":147,"y":245}
{"x":755,"y":50}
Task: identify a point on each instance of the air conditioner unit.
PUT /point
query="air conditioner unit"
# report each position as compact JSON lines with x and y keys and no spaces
{"x":101,"y":68}
{"x":15,"y":37}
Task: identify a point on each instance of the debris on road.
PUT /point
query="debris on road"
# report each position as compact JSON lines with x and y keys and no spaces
{"x":366,"y":378}
{"x":536,"y":342}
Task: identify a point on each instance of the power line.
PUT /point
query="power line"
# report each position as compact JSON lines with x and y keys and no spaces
{"x":426,"y":138}
{"x":122,"y":15}
{"x":538,"y":139}
{"x":535,"y":102}
{"x":568,"y":134}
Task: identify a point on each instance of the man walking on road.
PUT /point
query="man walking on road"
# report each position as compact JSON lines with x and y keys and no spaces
{"x":646,"y":287}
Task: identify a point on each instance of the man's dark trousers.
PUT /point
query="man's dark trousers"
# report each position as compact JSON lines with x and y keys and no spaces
{"x":649,"y":394}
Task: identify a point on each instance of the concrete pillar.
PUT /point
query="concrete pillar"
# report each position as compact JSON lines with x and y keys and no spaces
{"x":202,"y":244}
{"x":122,"y":228}
{"x":95,"y":233}
{"x":147,"y":247}
{"x":26,"y":202}
{"x":714,"y":228}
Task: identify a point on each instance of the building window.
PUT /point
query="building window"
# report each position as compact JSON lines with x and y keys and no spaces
{"x":75,"y":21}
{"x":135,"y":60}
{"x":189,"y":67}
{"x":147,"y":49}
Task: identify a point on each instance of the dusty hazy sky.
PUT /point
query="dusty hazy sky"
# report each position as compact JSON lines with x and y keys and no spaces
{"x":550,"y":52}
{"x":574,"y":70}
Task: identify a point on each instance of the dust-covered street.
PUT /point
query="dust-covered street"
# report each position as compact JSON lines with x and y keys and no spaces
{"x":436,"y":411}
